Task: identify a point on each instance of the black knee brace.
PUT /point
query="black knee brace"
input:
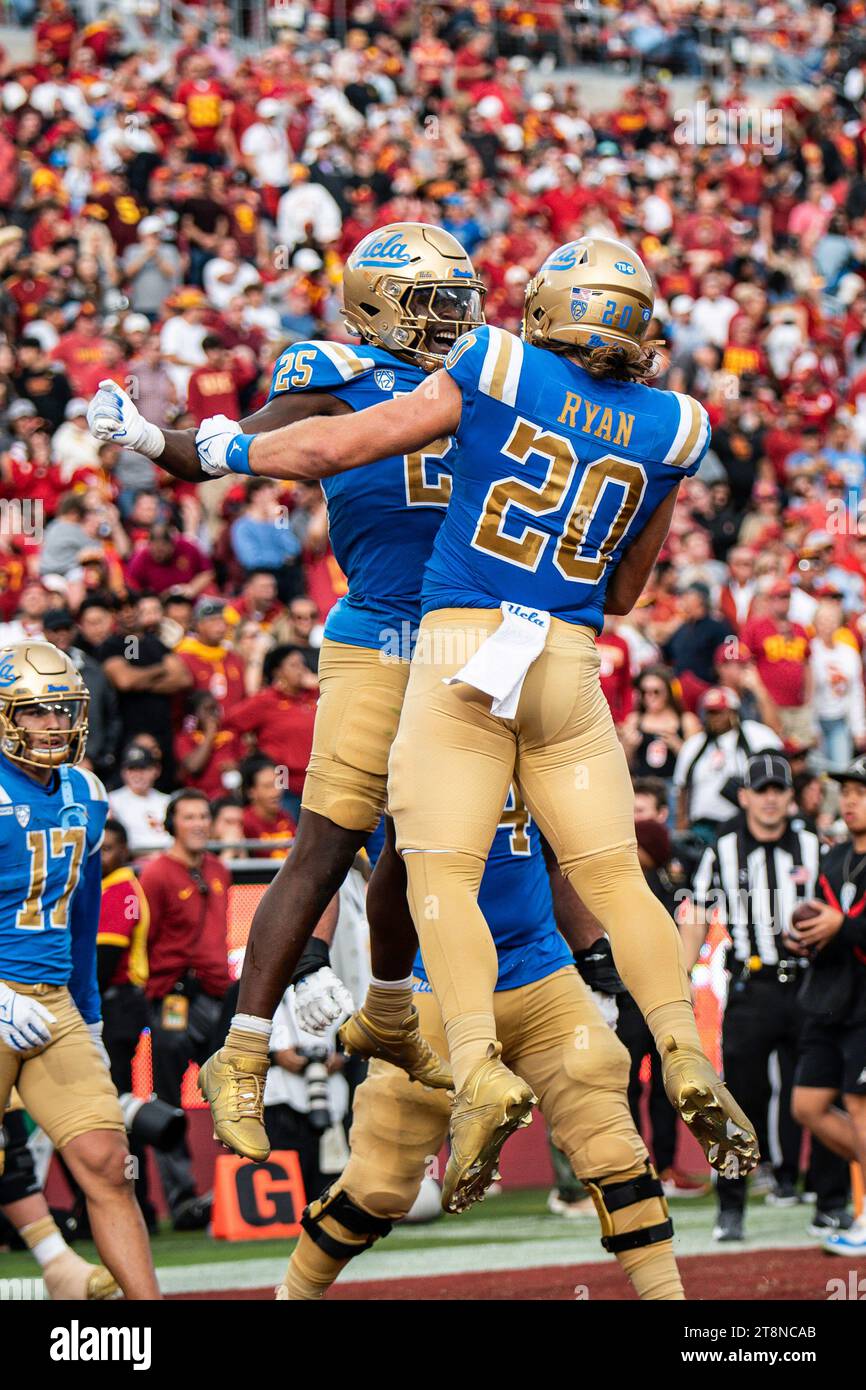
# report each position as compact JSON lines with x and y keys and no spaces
{"x":340,"y":1207}
{"x":613,"y":1196}
{"x":18,"y":1173}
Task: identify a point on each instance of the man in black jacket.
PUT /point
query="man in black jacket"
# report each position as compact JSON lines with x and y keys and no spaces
{"x":832,"y":1059}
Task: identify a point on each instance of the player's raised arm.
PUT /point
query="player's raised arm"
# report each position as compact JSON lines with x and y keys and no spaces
{"x":113,"y":415}
{"x":320,"y":447}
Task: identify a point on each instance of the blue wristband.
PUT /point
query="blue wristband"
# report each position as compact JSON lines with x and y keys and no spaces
{"x":238,"y":454}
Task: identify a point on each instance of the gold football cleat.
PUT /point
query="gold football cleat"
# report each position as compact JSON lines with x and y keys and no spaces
{"x":402,"y":1046}
{"x":233,"y":1084}
{"x":69,"y":1278}
{"x":489,"y":1107}
{"x":723,"y":1130}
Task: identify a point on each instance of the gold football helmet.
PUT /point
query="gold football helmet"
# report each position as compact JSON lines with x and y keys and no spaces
{"x":38,"y":678}
{"x":411,"y":288}
{"x":594,"y":292}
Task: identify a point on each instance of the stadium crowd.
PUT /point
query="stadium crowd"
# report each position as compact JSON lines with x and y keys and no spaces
{"x":173,"y":220}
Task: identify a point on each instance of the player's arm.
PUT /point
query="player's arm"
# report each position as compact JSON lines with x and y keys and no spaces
{"x":83,"y":928}
{"x":320,"y":447}
{"x":629,"y":579}
{"x":113,"y":415}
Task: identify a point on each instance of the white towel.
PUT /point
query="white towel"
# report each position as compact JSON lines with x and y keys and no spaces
{"x":499,"y":666}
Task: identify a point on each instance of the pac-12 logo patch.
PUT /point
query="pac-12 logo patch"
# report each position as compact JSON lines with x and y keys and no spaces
{"x":579,"y":303}
{"x":384,"y":379}
{"x":22,"y":815}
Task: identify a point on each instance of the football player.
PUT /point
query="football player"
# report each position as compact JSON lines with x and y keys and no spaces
{"x":409,"y":292}
{"x":66,"y":1274}
{"x":52,"y":815}
{"x":556,"y":1039}
{"x":565,"y":473}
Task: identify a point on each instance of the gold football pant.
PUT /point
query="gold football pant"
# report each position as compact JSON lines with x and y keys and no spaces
{"x":555,"y":1038}
{"x":65,"y":1086}
{"x":361,"y":694}
{"x":450,"y":768}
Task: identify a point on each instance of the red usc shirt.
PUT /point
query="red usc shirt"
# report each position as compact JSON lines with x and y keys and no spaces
{"x":283,"y":726}
{"x":227,"y":753}
{"x":615,"y":674}
{"x":124,"y":920}
{"x":282,"y":827}
{"x":215,"y":669}
{"x":188,"y":929}
{"x":204,"y":103}
{"x":780,"y":659}
{"x":213,"y":392}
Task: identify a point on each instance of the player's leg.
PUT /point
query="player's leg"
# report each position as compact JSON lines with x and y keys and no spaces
{"x":386,"y":1026}
{"x":344,"y":797}
{"x":555,"y":1037}
{"x":450,"y":770}
{"x":66,"y":1274}
{"x":574,"y":779}
{"x":68,"y":1091}
{"x":397,"y":1129}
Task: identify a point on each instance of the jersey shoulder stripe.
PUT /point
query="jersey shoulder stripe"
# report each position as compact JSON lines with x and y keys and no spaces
{"x":691,"y":427}
{"x":316,"y":365}
{"x":500,"y":371}
{"x":487,"y":360}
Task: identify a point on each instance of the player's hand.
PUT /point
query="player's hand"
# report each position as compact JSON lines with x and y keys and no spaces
{"x":212,"y":440}
{"x":818,"y":930}
{"x":321,"y":1000}
{"x":24,"y":1022}
{"x":95,"y":1031}
{"x":113,"y":415}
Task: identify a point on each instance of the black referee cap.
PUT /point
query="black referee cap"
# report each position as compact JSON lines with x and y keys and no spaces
{"x":767,"y":770}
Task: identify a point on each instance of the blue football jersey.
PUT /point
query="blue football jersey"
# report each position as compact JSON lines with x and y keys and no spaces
{"x":50,"y":880}
{"x":516,"y":901}
{"x":382,"y":519}
{"x":554,"y":474}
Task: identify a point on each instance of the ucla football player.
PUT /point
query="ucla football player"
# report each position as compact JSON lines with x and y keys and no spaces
{"x":556,"y":1039}
{"x":52,"y":815}
{"x":409,"y":292}
{"x":565,"y":476}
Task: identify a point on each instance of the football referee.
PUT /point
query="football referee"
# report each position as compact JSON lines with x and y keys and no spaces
{"x":754,"y":876}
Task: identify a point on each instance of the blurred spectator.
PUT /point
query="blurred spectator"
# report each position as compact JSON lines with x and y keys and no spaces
{"x":103,"y":715}
{"x":145,"y":675}
{"x":169,"y":561}
{"x":709,"y":760}
{"x":138,"y":806}
{"x":263,"y":814}
{"x":227,"y":826}
{"x":654,"y":732}
{"x":207,"y":756}
{"x":837,"y":680}
{"x":691,"y":646}
{"x":281,"y":718}
{"x":263,"y":539}
{"x":212,"y":664}
{"x":781,"y":651}
{"x":187,"y":890}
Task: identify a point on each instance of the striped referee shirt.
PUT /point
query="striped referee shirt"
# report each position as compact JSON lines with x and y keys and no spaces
{"x":754,"y":885}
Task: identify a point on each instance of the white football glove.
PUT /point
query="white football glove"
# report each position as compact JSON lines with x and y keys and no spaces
{"x":95,"y":1031}
{"x":23,"y":1021}
{"x":321,"y":1000}
{"x":212,"y":440}
{"x":113,"y":415}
